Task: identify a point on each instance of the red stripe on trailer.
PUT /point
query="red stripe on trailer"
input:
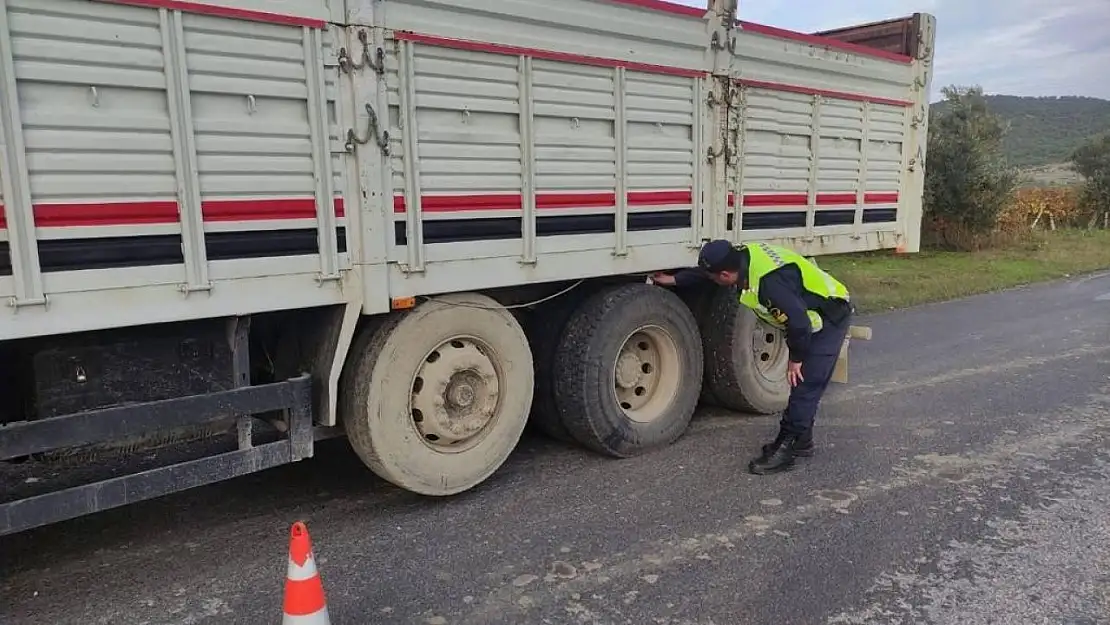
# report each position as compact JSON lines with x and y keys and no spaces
{"x":165,"y":212}
{"x":544,"y":201}
{"x":576,"y":200}
{"x":664,"y":7}
{"x":216,"y":10}
{"x":802,"y":199}
{"x":823,"y":42}
{"x":550,"y":55}
{"x":73,"y":214}
{"x":258,"y":210}
{"x":841,"y":95}
{"x":886,"y":197}
{"x":660,"y":198}
{"x":105,"y":214}
{"x":776,"y":199}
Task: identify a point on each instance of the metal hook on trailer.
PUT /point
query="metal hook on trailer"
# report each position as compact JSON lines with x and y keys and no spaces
{"x":372,"y":133}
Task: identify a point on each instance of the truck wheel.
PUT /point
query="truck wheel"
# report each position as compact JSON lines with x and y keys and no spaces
{"x":628,"y":370}
{"x":745,"y":359}
{"x":436,"y":399}
{"x":698,"y":298}
{"x":545,"y":327}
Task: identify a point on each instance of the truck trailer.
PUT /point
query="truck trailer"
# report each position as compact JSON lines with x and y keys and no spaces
{"x":232,"y":228}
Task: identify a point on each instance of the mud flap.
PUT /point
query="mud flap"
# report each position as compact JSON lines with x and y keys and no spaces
{"x":840,"y":373}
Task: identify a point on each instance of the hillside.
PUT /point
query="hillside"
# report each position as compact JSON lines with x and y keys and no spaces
{"x":1045,"y":130}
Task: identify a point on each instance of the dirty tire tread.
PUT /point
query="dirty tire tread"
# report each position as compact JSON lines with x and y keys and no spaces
{"x":698,"y":298}
{"x":545,"y":328}
{"x":359,"y":383}
{"x":584,"y":393}
{"x":726,"y":328}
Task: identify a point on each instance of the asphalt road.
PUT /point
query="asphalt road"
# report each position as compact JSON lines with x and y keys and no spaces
{"x":962,"y":477}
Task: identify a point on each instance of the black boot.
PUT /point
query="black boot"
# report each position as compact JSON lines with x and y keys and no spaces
{"x":777,"y":456}
{"x":803,"y":447}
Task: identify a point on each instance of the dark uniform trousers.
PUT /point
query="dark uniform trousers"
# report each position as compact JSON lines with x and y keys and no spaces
{"x":817,"y":369}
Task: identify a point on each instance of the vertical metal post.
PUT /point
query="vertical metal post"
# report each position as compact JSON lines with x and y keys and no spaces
{"x":189,"y":206}
{"x":911,"y":190}
{"x":526,"y":110}
{"x":620,"y":127}
{"x":814,"y":167}
{"x":299,"y":417}
{"x":741,"y":114}
{"x":911,"y":151}
{"x":14,"y":176}
{"x":413,"y":209}
{"x":864,"y":155}
{"x":238,"y":336}
{"x":380,"y":92}
{"x":701,"y":162}
{"x":313,"y":42}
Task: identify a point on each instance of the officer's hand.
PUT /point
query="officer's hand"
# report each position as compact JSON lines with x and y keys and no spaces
{"x":794,"y":373}
{"x":663,"y":279}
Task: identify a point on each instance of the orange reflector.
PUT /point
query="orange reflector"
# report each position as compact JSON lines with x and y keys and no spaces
{"x":402,"y":303}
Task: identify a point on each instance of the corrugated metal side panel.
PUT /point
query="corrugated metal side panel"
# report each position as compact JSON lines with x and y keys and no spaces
{"x":660,"y":133}
{"x":250,"y":113}
{"x":574,"y":116}
{"x":250,"y":110}
{"x":466,"y":106}
{"x":776,"y":143}
{"x":556,"y":139}
{"x":886,"y":136}
{"x":821,"y":146}
{"x":840,"y":150}
{"x":114,"y":97}
{"x":471,"y":159}
{"x":95,"y":115}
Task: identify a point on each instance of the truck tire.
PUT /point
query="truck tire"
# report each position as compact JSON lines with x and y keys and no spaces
{"x":545,"y":328}
{"x":628,"y":370}
{"x":436,"y":399}
{"x":745,"y":359}
{"x":698,"y":298}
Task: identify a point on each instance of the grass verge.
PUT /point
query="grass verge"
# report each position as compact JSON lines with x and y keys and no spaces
{"x":883,"y":281}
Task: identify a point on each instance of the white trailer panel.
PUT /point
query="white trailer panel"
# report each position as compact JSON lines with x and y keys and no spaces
{"x":825,"y":130}
{"x":210,"y":159}
{"x":188,"y":164}
{"x":531,"y":149}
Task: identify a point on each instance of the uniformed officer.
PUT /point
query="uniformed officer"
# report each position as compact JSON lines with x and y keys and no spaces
{"x":791,"y":293}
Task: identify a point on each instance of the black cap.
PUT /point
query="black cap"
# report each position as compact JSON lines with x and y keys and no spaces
{"x":715,"y":256}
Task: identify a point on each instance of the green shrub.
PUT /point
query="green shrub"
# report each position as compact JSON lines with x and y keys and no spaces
{"x":1092,"y":161}
{"x":968,"y":183}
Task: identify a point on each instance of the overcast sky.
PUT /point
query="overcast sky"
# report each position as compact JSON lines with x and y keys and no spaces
{"x":1015,"y":47}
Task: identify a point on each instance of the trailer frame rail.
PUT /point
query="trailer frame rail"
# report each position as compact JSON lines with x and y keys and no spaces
{"x":293,"y":396}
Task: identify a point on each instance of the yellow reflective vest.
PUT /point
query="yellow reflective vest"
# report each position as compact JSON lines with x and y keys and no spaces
{"x":765,"y":258}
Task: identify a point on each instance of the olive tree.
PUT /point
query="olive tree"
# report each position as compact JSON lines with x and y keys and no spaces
{"x":968,"y":182}
{"x":1092,"y":161}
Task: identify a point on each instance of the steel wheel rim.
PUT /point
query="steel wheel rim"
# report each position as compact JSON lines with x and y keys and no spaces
{"x":456,"y":394}
{"x":769,"y":351}
{"x":647,"y":374}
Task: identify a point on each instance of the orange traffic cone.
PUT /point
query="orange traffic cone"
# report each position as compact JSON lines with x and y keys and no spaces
{"x":304,"y":593}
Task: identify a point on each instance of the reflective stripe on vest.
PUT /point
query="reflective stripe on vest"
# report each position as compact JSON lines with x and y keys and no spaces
{"x":765,"y":258}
